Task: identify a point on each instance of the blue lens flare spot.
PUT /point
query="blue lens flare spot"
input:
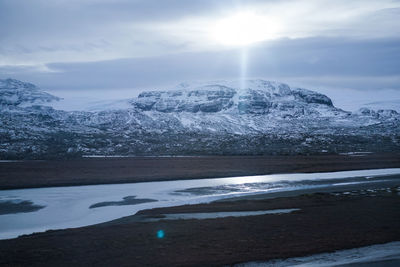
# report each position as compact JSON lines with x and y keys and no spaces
{"x":160,"y":234}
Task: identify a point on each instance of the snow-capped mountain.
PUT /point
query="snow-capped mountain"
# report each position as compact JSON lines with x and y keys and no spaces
{"x":261,"y":97}
{"x":393,"y":104}
{"x":200,"y":118}
{"x":22,"y":94}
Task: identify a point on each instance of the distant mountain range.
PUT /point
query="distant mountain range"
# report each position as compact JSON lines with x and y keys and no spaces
{"x":192,"y":119}
{"x":388,"y":104}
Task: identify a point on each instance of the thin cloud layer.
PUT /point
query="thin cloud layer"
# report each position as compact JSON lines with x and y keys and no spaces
{"x":99,"y":44}
{"x":40,"y":32}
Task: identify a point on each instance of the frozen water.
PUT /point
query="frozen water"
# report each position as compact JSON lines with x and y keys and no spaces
{"x":66,"y":207}
{"x":214,"y":215}
{"x":376,"y":255}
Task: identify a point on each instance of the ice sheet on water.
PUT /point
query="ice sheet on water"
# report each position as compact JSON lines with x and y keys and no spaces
{"x":378,"y":254}
{"x":66,"y":207}
{"x":214,"y":215}
{"x":271,"y":186}
{"x":128,"y":200}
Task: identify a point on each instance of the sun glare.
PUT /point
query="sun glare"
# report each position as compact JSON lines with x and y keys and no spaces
{"x":244,"y":28}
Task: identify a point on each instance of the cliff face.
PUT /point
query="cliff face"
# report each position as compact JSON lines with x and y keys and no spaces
{"x":261,"y":98}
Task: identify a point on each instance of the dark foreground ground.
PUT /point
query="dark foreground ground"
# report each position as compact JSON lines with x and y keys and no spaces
{"x":328,"y":220}
{"x":27,"y":174}
{"x":325,"y":223}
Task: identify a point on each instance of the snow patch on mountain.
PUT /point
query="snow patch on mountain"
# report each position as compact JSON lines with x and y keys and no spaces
{"x":22,"y":94}
{"x":260,"y":97}
{"x":387,"y":104}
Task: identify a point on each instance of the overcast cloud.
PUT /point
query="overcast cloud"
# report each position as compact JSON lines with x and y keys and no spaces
{"x":98,"y":44}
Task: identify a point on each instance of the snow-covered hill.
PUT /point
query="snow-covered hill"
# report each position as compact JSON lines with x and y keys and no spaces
{"x":200,"y":118}
{"x":22,"y":94}
{"x":393,"y":104}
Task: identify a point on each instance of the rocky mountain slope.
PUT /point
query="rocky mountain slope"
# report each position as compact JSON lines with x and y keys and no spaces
{"x":192,"y":119}
{"x":17,"y":93}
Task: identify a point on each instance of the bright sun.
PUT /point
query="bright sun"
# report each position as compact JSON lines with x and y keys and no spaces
{"x":244,"y":28}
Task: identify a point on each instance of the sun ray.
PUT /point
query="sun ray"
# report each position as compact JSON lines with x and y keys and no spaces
{"x":245,"y":28}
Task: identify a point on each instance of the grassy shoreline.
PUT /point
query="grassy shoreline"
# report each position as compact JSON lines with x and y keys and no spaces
{"x":91,"y":171}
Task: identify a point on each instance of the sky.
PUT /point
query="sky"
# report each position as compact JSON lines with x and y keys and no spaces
{"x":121,"y":47}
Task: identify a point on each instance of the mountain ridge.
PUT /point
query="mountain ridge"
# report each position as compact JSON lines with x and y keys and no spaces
{"x":210,"y":118}
{"x":17,"y":93}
